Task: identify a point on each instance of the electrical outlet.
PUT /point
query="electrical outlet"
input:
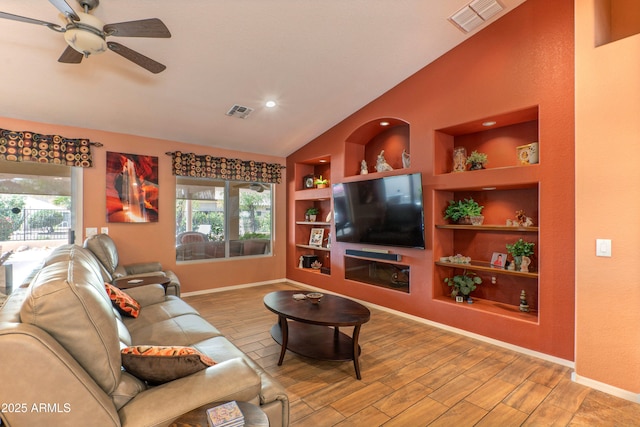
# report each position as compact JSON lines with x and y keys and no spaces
{"x":603,"y":247}
{"x":91,"y":231}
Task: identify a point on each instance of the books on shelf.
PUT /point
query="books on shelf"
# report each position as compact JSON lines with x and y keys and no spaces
{"x":225,"y":415}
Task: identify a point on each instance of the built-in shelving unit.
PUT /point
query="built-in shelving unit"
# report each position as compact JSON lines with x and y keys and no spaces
{"x":320,"y":198}
{"x":504,"y":187}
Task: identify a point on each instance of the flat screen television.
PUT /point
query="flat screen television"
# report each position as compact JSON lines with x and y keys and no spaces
{"x":385,"y":211}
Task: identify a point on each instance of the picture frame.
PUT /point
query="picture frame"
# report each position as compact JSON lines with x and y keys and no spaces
{"x":132,"y":189}
{"x":499,"y":260}
{"x":524,"y":154}
{"x":308,"y":181}
{"x":316,"y":236}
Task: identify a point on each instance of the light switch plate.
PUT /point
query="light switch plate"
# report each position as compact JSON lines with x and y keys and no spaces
{"x":603,"y":247}
{"x":91,"y":231}
{"x":104,"y":230}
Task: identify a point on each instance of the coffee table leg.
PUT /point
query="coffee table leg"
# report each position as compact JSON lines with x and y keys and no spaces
{"x":356,"y":350}
{"x":284,"y":327}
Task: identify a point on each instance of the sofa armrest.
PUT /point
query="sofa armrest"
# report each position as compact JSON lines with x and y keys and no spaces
{"x":159,"y":406}
{"x":147,"y":295}
{"x":143,"y":267}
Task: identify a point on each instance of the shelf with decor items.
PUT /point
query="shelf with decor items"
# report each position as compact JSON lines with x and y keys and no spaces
{"x":308,"y":196}
{"x":508,"y":188}
{"x":481,"y":242}
{"x":509,"y":140}
{"x":384,"y":134}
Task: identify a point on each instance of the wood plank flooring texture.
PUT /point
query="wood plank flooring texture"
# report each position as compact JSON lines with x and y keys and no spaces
{"x":413,"y":375}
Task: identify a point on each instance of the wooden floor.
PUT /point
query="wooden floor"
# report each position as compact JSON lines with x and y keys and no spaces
{"x":413,"y":375}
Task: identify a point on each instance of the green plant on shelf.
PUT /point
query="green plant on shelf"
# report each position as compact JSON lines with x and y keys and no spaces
{"x":520,"y":248}
{"x":462,"y":209}
{"x":321,"y":182}
{"x":477,"y":160}
{"x":312,"y":211}
{"x":463,"y":284}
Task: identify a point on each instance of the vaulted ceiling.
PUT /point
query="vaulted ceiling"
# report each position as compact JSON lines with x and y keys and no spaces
{"x":319,"y":60}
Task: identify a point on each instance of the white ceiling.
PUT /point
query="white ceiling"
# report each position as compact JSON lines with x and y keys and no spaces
{"x":321,"y":60}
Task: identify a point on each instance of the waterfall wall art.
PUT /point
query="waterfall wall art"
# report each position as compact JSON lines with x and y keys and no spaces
{"x":132,"y":188}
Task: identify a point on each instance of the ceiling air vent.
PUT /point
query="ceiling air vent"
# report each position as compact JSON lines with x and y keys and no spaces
{"x":475,"y":14}
{"x":239,"y":111}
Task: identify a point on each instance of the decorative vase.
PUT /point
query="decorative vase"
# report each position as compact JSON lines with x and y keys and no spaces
{"x":517,"y":259}
{"x":465,"y":220}
{"x":476,"y":220}
{"x":476,"y":166}
{"x":459,"y":159}
{"x":312,"y":218}
{"x":321,"y":186}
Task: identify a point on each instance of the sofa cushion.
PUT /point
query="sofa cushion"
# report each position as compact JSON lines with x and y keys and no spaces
{"x":67,"y":299}
{"x":182,"y":330}
{"x":123,"y":302}
{"x":160,"y":364}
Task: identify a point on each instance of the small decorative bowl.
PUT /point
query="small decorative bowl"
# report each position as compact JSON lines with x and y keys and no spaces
{"x":314,"y":297}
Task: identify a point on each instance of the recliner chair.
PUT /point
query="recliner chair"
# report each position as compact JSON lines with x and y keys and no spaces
{"x":104,"y":248}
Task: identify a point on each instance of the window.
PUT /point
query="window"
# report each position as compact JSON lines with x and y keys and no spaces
{"x":39,"y":206}
{"x":222,"y":219}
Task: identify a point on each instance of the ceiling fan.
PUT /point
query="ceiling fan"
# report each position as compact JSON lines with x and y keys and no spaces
{"x":86,"y":35}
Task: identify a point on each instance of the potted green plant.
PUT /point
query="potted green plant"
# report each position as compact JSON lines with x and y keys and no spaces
{"x":520,"y":249}
{"x":477,"y":160}
{"x":463,"y":284}
{"x":311,"y":213}
{"x":321,"y":182}
{"x":462,"y":211}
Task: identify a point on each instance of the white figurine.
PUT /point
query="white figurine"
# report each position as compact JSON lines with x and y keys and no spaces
{"x":406,"y":159}
{"x":364,"y":169}
{"x":382,"y":165}
{"x":524,"y":265}
{"x":301,"y":264}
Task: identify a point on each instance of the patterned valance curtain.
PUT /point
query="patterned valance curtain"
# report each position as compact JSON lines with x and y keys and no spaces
{"x":25,"y":146}
{"x":204,"y":166}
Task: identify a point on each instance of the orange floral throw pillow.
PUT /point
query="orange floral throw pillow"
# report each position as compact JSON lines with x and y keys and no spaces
{"x":123,"y":302}
{"x":161,"y":364}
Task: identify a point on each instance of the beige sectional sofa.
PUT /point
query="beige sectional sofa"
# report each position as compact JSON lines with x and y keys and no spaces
{"x":61,"y":340}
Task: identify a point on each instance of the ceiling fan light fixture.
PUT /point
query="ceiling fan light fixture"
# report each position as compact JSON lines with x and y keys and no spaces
{"x":86,"y":36}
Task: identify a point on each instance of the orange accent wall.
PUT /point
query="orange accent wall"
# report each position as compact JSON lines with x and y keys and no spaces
{"x":607,"y":200}
{"x":524,"y":59}
{"x":156,"y":241}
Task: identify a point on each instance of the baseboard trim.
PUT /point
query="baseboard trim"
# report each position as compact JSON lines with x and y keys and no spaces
{"x":605,"y":388}
{"x":232,"y":287}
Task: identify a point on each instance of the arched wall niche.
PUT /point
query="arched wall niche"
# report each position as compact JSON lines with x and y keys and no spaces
{"x":365,"y":143}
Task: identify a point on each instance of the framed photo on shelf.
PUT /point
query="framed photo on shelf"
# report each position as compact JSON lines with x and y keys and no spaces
{"x":315,"y":239}
{"x":499,"y":260}
{"x":308,"y":181}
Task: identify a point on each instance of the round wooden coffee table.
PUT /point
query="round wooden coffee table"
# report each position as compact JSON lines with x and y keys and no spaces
{"x":314,"y":331}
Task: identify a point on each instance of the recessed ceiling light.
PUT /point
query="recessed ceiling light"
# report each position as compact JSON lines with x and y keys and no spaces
{"x":489,"y":123}
{"x":270,"y":104}
{"x":384,"y":123}
{"x":323,"y":161}
{"x":488,"y":188}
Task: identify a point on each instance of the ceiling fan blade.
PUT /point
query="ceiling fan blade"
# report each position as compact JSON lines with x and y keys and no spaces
{"x":66,"y":10}
{"x":138,"y":58}
{"x":152,"y":27}
{"x":6,"y":15}
{"x":70,"y":56}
